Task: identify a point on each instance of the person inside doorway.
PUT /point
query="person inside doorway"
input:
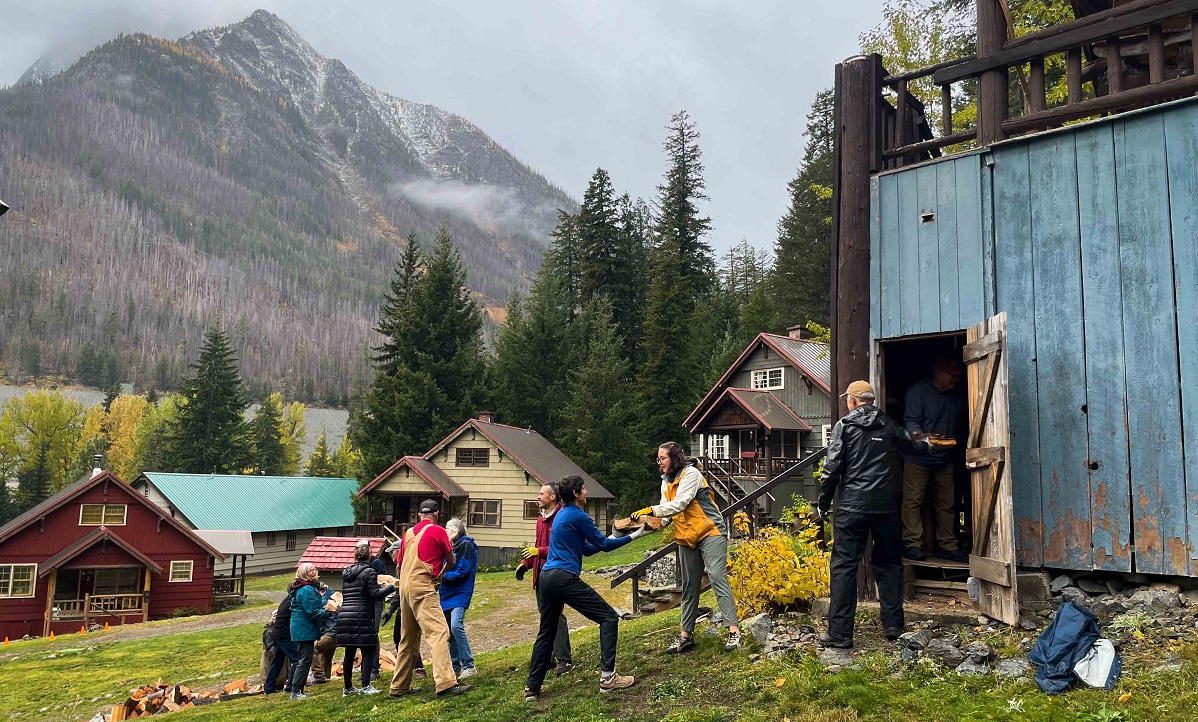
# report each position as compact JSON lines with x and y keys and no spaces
{"x":932,"y":407}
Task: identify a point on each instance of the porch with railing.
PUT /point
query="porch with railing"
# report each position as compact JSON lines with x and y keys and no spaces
{"x":96,"y":606}
{"x":750,"y":466}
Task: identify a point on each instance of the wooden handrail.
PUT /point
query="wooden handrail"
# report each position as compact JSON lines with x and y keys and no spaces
{"x":727,"y":511}
{"x":1062,"y":38}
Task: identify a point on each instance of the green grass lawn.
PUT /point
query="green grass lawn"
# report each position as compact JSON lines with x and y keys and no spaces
{"x":630,"y":553}
{"x":270,"y":583}
{"x":706,"y":686}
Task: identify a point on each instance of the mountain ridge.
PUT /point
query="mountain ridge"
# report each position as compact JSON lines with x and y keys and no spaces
{"x":270,"y":179}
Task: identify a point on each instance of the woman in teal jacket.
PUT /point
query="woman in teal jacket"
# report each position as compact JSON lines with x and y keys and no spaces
{"x":307,"y":616}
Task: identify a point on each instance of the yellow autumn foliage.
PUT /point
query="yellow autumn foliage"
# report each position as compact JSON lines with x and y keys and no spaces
{"x":776,"y":571}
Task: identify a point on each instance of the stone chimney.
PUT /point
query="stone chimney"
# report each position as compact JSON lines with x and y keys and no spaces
{"x":799,"y":332}
{"x":487,"y":417}
{"x":96,"y":470}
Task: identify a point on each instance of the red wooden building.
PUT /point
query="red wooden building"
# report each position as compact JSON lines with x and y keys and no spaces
{"x":97,"y":552}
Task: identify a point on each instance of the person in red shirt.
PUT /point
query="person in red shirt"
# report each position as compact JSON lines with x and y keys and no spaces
{"x":534,"y":559}
{"x":424,"y":553}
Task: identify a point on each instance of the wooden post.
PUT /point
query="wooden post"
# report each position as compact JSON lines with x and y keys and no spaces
{"x":992,"y":84}
{"x":241,"y":591}
{"x":857,"y":103}
{"x":1073,"y":75}
{"x":51,"y":589}
{"x":145,"y":595}
{"x":87,"y":607}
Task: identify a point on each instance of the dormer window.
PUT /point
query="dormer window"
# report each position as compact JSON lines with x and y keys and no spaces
{"x":767,"y":379}
{"x":102,"y":514}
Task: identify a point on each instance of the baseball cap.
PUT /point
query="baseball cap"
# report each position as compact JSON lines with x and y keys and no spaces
{"x":858,"y":389}
{"x":428,"y":506}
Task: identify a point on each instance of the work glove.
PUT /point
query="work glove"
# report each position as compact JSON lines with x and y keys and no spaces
{"x":647,"y":511}
{"x":386,"y":618}
{"x":520,"y":572}
{"x":529,"y":552}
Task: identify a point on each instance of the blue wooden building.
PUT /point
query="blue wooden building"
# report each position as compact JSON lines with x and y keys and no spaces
{"x":1086,"y":237}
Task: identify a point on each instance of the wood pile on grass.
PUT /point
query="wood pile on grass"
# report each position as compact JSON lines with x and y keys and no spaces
{"x":159,"y":698}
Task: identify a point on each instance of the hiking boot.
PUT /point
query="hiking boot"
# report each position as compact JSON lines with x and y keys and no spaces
{"x":952,"y":555}
{"x":893,"y":633}
{"x":563,"y":667}
{"x":914,"y":553}
{"x":351,"y":692}
{"x":681,"y":645}
{"x":616,"y":682}
{"x":827,"y":640}
{"x":298,"y":695}
{"x":455,"y":690}
{"x":733,"y":641}
{"x":419,"y":673}
{"x":531,"y":695}
{"x":467,"y":672}
{"x":369,"y":689}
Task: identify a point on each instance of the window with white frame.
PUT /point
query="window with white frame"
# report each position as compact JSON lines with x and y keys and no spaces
{"x":16,"y":580}
{"x":767,"y":379}
{"x":181,"y":571}
{"x":101,"y":514}
{"x":718,"y":446}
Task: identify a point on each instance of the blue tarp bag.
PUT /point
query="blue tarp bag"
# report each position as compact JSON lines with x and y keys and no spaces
{"x":1064,"y":643}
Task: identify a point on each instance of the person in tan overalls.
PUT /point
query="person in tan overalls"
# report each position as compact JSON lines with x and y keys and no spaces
{"x":424,"y":553}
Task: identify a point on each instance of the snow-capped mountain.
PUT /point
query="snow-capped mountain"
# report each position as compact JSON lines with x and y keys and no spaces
{"x":40,"y":72}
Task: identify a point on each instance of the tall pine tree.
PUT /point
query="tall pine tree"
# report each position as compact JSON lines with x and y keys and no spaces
{"x":320,"y":462}
{"x":211,"y":436}
{"x":598,"y":238}
{"x":264,"y":431}
{"x":801,"y":281}
{"x":395,"y":316}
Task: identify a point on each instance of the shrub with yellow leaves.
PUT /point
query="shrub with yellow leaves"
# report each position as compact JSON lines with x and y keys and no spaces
{"x":776,"y":571}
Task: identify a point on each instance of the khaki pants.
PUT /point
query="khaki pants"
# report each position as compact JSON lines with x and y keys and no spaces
{"x":322,"y":658}
{"x":420,"y":612}
{"x":916,"y":480}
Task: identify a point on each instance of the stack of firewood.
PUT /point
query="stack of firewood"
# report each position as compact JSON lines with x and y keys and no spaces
{"x":158,"y":698}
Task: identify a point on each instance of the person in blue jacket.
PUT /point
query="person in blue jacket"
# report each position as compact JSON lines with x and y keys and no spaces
{"x":308,"y":615}
{"x":457,"y":587}
{"x":573,"y":535}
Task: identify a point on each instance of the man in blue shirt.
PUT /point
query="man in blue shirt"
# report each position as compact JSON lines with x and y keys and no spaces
{"x":574,"y":535}
{"x":932,"y":406}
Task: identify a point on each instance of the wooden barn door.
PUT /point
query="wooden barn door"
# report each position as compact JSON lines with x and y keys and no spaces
{"x":992,"y":562}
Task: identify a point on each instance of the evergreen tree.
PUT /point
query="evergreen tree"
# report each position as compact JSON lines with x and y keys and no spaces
{"x":88,"y":370}
{"x":394,"y":418}
{"x":598,"y":418}
{"x":563,"y":259}
{"x":211,"y":434}
{"x":157,"y":428}
{"x":631,"y":276}
{"x":395,"y":316}
{"x":801,"y":281}
{"x":598,"y":232}
{"x":320,"y":463}
{"x":681,"y":228}
{"x":113,"y":392}
{"x":264,"y":433}
{"x":347,"y":460}
{"x":34,"y":481}
{"x":8,"y":505}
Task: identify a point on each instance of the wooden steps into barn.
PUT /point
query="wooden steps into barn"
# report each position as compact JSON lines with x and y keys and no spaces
{"x":938,"y":577}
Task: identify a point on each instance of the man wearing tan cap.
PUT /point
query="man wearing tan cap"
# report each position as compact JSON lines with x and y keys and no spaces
{"x":857,"y":473}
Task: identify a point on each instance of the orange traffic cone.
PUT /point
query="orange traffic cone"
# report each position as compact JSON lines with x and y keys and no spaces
{"x":105,"y":626}
{"x":82,"y":629}
{"x":6,"y":641}
{"x":51,"y":636}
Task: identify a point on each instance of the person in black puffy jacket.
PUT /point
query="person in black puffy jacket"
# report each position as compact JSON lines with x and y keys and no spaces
{"x":857,"y":471}
{"x":356,"y":627}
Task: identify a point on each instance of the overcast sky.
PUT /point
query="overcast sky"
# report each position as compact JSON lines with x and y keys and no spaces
{"x":567,"y":85}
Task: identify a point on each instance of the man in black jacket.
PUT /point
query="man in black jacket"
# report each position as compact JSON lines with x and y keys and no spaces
{"x":857,"y":471}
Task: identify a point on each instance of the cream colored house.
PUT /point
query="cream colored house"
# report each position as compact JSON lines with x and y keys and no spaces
{"x":487,"y":474}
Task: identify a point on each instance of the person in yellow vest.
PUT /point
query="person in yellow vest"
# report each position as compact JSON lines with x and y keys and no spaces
{"x":702,"y":539}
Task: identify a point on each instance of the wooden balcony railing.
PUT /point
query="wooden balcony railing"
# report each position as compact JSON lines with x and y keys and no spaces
{"x":749,"y":467}
{"x":228,"y":587}
{"x":1135,"y":55}
{"x":98,"y":605}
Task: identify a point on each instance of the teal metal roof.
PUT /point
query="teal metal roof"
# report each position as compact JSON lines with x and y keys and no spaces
{"x":258,"y":503}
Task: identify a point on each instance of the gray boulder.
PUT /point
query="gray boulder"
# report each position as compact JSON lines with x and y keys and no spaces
{"x":832,"y":657}
{"x":1092,"y":586}
{"x":1060,"y":583}
{"x":1075,"y":595}
{"x":916,"y":640}
{"x":1013,"y":668}
{"x":945,"y":652}
{"x":759,"y":627}
{"x":1155,"y":599}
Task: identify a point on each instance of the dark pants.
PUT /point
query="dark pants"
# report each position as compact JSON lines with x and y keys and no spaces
{"x":285,"y":650}
{"x":850,"y":532}
{"x":303,"y":665}
{"x":558,"y":589}
{"x":561,"y":640}
{"x":370,"y":670}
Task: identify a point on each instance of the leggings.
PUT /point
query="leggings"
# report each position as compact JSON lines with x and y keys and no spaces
{"x":369,"y":659}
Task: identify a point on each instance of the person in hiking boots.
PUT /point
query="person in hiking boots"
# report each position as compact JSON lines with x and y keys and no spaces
{"x":533,"y":558}
{"x":574,"y":534}
{"x":932,"y":406}
{"x":276,"y":675}
{"x":457,"y":587}
{"x":356,"y":628}
{"x":423,"y":554}
{"x":307,"y":616}
{"x":702,"y":537}
{"x":857,"y":472}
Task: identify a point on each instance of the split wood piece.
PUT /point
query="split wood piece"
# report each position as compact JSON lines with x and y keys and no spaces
{"x":236,"y":686}
{"x":628,"y":525}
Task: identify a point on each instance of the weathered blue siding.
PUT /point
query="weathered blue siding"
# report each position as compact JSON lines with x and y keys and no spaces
{"x":1088,"y":239}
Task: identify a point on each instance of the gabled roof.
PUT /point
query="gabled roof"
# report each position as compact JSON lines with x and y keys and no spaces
{"x":100,"y":534}
{"x":531,"y":451}
{"x":437,"y":480}
{"x":63,"y":497}
{"x":764,"y":406}
{"x":258,"y":503}
{"x":810,"y":358}
{"x":335,"y":552}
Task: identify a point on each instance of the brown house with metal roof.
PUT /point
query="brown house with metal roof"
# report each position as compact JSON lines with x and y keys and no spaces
{"x":487,"y":474}
{"x":769,"y":409}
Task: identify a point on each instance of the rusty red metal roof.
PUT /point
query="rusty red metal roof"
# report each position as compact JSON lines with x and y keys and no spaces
{"x":337,"y":552}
